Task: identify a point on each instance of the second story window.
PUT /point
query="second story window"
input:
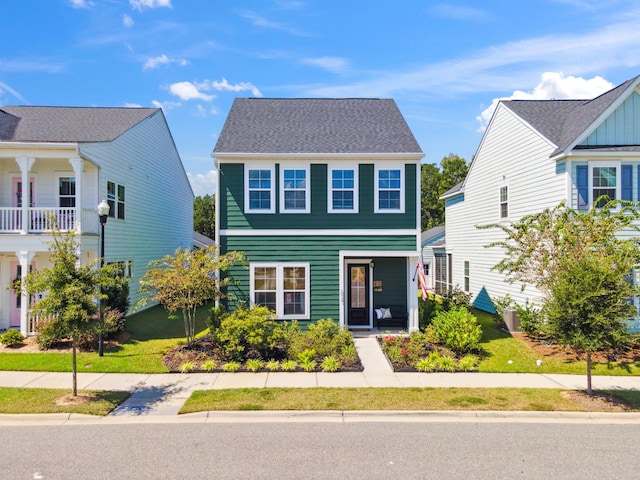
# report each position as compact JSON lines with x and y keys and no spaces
{"x":343,"y":194}
{"x":67,"y":192}
{"x":389,"y":190}
{"x":115,"y":199}
{"x":294,"y":193}
{"x":504,"y":202}
{"x":259,"y":190}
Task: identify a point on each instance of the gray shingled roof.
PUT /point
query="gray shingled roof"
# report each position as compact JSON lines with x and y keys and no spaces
{"x":68,"y":124}
{"x":305,"y":125}
{"x":434,"y":232}
{"x":563,"y":121}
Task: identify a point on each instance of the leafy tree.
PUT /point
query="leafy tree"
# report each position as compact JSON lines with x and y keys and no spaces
{"x":204,"y":215}
{"x":187,"y":280}
{"x":581,"y":265}
{"x":73,"y":291}
{"x":434,"y":182}
{"x":588,"y":302}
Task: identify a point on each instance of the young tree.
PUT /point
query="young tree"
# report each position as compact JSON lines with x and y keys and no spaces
{"x":588,"y":297}
{"x":187,"y":280}
{"x":73,"y":293}
{"x":581,"y":265}
{"x":433,"y":183}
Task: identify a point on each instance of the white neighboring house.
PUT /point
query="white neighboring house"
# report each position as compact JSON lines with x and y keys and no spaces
{"x":434,"y":258}
{"x":533,"y":155}
{"x":72,"y":158}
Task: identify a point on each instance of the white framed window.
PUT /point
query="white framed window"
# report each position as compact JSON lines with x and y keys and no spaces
{"x":294,"y":189}
{"x":504,"y":201}
{"x":281,"y":287}
{"x":343,"y":189}
{"x":466,"y":276}
{"x":604,"y":180}
{"x":115,"y":199}
{"x":389,"y":189}
{"x":259,"y":189}
{"x":67,"y":192}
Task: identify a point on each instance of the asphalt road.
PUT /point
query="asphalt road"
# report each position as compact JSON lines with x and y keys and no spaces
{"x":283,"y":451}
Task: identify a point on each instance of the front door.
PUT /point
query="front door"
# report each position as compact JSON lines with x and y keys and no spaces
{"x":358,"y":301}
{"x":15,"y":298}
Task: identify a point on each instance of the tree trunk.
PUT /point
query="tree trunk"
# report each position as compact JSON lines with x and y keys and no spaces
{"x":589,"y":391}
{"x":74,"y":369}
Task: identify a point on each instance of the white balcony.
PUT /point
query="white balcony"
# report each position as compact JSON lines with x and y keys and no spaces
{"x":45,"y":219}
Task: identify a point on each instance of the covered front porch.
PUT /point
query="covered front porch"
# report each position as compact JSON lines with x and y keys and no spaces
{"x":378,"y":290}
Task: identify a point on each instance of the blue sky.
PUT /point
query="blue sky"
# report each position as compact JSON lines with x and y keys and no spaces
{"x":444,"y":63}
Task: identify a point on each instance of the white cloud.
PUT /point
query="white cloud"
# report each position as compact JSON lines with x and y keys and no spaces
{"x":189,"y":91}
{"x":81,"y":3}
{"x":156,"y":62}
{"x":332,"y":64}
{"x":132,"y":105}
{"x":553,"y":85}
{"x":127,"y":21}
{"x":165,"y":105}
{"x":142,"y":4}
{"x":224,"y":85}
{"x":203,"y":183}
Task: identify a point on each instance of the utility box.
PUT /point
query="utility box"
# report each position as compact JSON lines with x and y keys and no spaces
{"x":511,"y":320}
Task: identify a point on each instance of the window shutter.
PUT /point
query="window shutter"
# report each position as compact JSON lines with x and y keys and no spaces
{"x":627,"y":182}
{"x":582,"y":184}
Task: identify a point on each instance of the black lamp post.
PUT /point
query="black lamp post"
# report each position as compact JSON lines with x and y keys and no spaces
{"x":103,"y":213}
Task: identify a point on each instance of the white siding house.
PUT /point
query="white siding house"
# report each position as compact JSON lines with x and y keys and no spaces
{"x":72,"y":158}
{"x":535,"y":154}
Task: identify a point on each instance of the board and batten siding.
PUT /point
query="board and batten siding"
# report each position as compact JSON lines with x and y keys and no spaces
{"x":513,"y":155}
{"x":232,"y":215}
{"x":622,"y":127}
{"x":321,"y":252}
{"x":158,"y":196}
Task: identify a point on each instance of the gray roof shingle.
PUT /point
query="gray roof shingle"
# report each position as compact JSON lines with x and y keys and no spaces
{"x":563,"y":121}
{"x":308,"y":126}
{"x":68,"y":124}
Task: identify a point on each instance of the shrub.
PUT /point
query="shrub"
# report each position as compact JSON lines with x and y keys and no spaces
{"x":448,"y":364}
{"x":248,"y":331}
{"x":468,"y":363}
{"x":456,"y":298}
{"x":330,"y":364}
{"x":349,"y":353}
{"x":187,"y":367}
{"x":273,"y":365}
{"x":288,"y":366}
{"x":11,"y":338}
{"x":428,"y":309}
{"x":254,"y":364}
{"x":500,"y":303}
{"x":215,"y":317}
{"x":308,"y":365}
{"x":532,"y":322}
{"x":429,"y":364}
{"x":325,"y":337}
{"x":458,"y":329}
{"x":209,"y":366}
{"x":231,"y":367}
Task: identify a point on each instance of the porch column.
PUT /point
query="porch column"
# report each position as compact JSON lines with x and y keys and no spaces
{"x":24,"y":257}
{"x":412,"y":297}
{"x":78,"y":164}
{"x":25,"y":164}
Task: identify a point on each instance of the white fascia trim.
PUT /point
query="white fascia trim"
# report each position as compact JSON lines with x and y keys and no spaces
{"x":378,"y":253}
{"x":224,"y":157}
{"x":587,"y":155}
{"x":39,"y":149}
{"x":308,"y":233}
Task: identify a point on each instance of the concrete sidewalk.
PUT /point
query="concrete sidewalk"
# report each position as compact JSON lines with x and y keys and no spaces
{"x":164,"y":394}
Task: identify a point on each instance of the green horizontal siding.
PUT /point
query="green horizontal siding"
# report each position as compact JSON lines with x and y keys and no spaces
{"x":322,"y":254}
{"x":232,"y":216}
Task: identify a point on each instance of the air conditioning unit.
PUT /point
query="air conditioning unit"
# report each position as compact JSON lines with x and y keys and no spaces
{"x":511,"y":320}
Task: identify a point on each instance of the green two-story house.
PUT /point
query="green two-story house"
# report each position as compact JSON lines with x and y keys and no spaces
{"x":322,"y":195}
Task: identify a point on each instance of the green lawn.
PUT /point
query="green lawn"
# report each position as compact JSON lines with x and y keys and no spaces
{"x":153,"y":333}
{"x":513,"y":399}
{"x":43,"y":400}
{"x":500,"y":347}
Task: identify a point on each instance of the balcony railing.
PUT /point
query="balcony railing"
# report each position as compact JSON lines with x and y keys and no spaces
{"x":45,"y":219}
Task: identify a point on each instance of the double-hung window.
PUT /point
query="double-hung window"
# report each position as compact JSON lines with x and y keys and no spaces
{"x":259,"y":190}
{"x":504,"y":201}
{"x":610,"y":179}
{"x":294,"y":191}
{"x":67,"y":192}
{"x":604,"y":182}
{"x":389,"y":191}
{"x":343,"y":191}
{"x":115,"y":199}
{"x":282,"y":287}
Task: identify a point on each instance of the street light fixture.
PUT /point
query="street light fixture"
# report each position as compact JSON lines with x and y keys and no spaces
{"x":103,"y":213}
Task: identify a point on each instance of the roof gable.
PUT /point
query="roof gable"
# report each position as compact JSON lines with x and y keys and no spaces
{"x":621,"y":127}
{"x":321,"y":126}
{"x":68,"y":124}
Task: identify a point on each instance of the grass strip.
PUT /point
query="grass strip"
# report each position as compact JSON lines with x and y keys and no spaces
{"x":515,"y":399}
{"x":44,"y":400}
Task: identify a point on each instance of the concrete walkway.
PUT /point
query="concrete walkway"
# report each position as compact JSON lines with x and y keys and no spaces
{"x":164,"y":394}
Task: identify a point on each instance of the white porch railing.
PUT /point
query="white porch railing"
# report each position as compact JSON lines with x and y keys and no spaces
{"x":43,"y":219}
{"x":35,"y":320}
